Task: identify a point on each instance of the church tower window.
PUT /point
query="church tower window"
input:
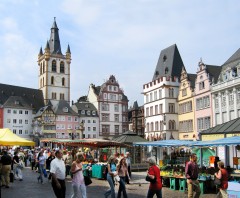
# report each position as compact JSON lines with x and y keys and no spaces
{"x":52,"y":80}
{"x":63,"y":81}
{"x":54,"y":67}
{"x":62,"y":70}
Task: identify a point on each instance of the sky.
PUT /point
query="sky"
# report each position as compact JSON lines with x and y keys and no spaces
{"x":123,"y":38}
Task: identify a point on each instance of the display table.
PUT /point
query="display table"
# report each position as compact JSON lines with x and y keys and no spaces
{"x":97,"y":170}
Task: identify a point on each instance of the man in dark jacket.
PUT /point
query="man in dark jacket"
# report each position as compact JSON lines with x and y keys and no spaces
{"x":6,"y":161}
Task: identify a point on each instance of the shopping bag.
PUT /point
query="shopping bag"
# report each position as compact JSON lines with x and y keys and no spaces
{"x":11,"y":177}
{"x":87,"y":180}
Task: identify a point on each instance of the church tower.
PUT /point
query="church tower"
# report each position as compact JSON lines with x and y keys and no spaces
{"x":54,"y":69}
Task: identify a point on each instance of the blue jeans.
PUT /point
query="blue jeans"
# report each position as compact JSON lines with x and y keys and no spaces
{"x":151,"y":193}
{"x":41,"y":167}
{"x":122,"y":188}
{"x":111,"y":191}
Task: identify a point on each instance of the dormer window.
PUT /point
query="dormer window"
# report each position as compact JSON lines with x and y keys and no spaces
{"x":16,"y":102}
{"x":164,"y":58}
{"x":88,"y":112}
{"x":83,"y":112}
{"x":86,"y":105}
{"x":93,"y":112}
{"x":166,"y":70}
{"x":65,"y":109}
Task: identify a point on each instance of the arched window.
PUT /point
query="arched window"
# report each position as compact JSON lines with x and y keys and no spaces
{"x":62,"y":70}
{"x":156,"y":126}
{"x":52,"y":80}
{"x":54,"y":67}
{"x":43,"y":68}
{"x":151,"y":126}
{"x":170,"y":125}
{"x":63,"y":81}
{"x":147,"y":127}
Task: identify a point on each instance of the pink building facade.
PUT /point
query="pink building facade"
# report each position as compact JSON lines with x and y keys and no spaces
{"x":206,"y":74}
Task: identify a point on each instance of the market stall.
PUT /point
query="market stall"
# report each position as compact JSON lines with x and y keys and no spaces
{"x":8,"y":138}
{"x":95,"y":168}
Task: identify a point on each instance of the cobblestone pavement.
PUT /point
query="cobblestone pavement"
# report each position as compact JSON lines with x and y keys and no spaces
{"x":30,"y":188}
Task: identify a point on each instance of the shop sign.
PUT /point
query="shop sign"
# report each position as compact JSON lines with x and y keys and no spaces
{"x":212,"y":137}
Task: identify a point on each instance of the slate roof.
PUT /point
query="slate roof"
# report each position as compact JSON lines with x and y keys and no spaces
{"x":87,"y":106}
{"x":170,"y":58}
{"x":61,"y":105}
{"x":54,"y":41}
{"x":31,"y":97}
{"x":192,"y":78}
{"x":97,"y":90}
{"x":233,"y":58}
{"x":128,"y":138}
{"x":16,"y":102}
{"x":214,"y":72}
{"x":232,"y":126}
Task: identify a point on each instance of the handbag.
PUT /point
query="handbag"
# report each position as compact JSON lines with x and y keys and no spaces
{"x":87,"y":180}
{"x":150,"y":179}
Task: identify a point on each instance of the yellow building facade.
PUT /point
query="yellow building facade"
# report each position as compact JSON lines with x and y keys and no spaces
{"x":186,"y":106}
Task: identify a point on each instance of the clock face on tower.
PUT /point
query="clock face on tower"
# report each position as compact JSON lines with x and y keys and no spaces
{"x":58,"y":79}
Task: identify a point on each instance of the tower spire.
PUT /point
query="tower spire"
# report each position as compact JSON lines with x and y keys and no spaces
{"x":54,"y":42}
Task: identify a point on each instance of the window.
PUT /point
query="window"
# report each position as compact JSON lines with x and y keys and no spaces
{"x":62,"y":67}
{"x":160,"y":93}
{"x":110,"y":88}
{"x":151,"y":98}
{"x":201,"y":85}
{"x":116,"y":108}
{"x":54,"y":67}
{"x":105,"y":107}
{"x":156,"y":126}
{"x":20,"y":121}
{"x":52,"y":80}
{"x":9,"y":110}
{"x":151,"y":111}
{"x":14,"y":131}
{"x":75,"y":119}
{"x":14,"y":111}
{"x":54,"y":95}
{"x":171,"y":93}
{"x":156,"y":109}
{"x":105,"y":117}
{"x":105,"y":96}
{"x":61,"y":96}
{"x":155,"y":95}
{"x":89,"y":121}
{"x":116,"y":118}
{"x":93,"y":112}
{"x":89,"y":128}
{"x":94,"y":128}
{"x":20,"y":111}
{"x":26,"y":132}
{"x":20,"y":132}
{"x":63,"y":81}
{"x":8,"y":121}
{"x":88,"y":112}
{"x":105,"y":128}
{"x":26,"y":121}
{"x":94,"y":121}
{"x":216,"y":101}
{"x":83,"y":112}
{"x":147,"y":98}
{"x":184,"y":92}
{"x":116,"y":128}
{"x":113,"y":97}
{"x":171,"y":108}
{"x":147,"y":111}
{"x":69,"y":118}
{"x":14,"y":121}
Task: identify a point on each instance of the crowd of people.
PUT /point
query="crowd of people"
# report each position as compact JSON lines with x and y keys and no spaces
{"x":56,"y":165}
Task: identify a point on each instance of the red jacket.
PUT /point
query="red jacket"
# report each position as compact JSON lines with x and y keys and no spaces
{"x":154,"y":170}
